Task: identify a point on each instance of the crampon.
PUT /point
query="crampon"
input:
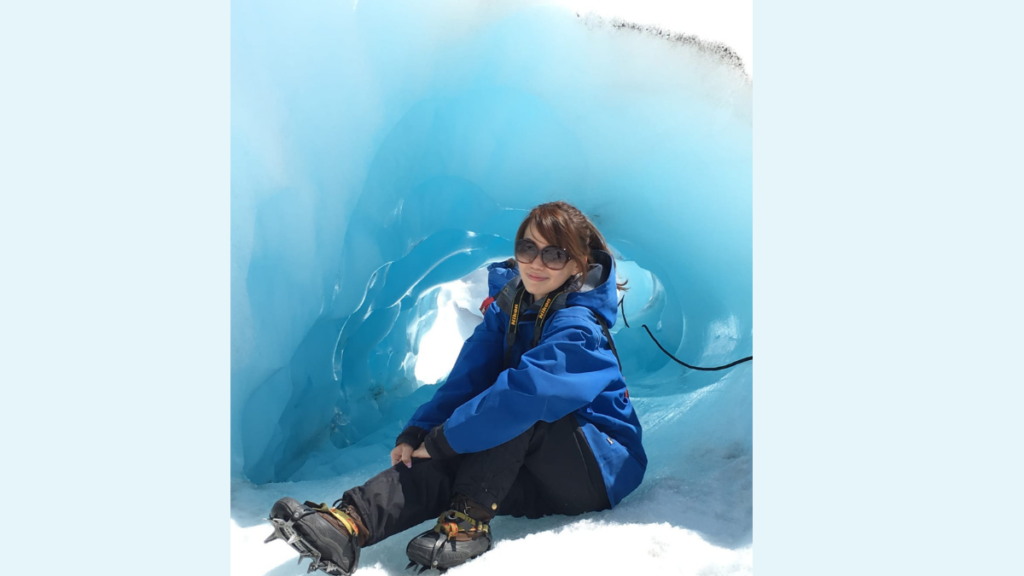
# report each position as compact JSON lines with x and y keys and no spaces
{"x":304,"y":528}
{"x":454,"y":540}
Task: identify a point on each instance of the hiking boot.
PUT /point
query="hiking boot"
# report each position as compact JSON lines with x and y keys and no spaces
{"x":331,"y":537}
{"x":461,"y":534}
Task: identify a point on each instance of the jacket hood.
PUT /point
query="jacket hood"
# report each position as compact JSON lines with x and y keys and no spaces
{"x":499,"y":274}
{"x":598,"y":292}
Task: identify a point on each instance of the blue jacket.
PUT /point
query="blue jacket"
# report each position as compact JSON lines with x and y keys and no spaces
{"x":572,"y":370}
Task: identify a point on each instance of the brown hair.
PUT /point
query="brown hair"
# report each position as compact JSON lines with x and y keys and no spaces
{"x":563,"y":225}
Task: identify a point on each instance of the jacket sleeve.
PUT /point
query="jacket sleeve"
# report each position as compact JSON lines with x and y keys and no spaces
{"x":566,"y":371}
{"x":479,"y":363}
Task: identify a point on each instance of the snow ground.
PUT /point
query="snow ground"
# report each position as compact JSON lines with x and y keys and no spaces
{"x":602,"y":543}
{"x":692,"y":515}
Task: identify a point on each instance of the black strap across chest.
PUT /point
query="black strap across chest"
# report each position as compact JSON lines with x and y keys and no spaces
{"x":514,"y":319}
{"x":554,"y":301}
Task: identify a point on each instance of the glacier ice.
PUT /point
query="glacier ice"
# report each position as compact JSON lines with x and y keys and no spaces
{"x":384,"y":153}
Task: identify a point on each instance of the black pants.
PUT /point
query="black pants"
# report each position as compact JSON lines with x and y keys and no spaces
{"x":549,"y":469}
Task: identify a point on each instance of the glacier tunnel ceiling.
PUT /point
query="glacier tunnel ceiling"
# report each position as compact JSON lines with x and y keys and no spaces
{"x":382,"y":156}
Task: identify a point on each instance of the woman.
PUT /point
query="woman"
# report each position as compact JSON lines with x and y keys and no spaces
{"x":534,"y":418}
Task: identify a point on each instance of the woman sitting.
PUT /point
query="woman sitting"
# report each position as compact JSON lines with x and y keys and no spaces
{"x":534,"y":418}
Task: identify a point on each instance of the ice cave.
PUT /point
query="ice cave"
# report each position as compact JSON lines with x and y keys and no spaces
{"x":383,"y":153}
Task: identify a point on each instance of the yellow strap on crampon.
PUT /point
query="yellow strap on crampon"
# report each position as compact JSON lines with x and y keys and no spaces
{"x":342,"y":517}
{"x":452,"y":521}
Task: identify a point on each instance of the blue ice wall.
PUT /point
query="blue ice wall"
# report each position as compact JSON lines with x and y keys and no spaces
{"x":380,"y":149}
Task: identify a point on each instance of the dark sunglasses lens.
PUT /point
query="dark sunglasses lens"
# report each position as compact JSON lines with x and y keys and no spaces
{"x":554,"y":258}
{"x":526,"y":251}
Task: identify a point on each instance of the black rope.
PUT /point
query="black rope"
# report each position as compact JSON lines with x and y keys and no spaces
{"x":667,"y":353}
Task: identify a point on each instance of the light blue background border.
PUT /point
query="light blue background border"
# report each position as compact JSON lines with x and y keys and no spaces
{"x":887,"y":287}
{"x":114,"y":232}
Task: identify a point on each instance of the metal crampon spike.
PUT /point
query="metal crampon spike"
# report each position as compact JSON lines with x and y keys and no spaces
{"x":313,"y":555}
{"x":283,"y":531}
{"x":278,"y":534}
{"x":410,"y":565}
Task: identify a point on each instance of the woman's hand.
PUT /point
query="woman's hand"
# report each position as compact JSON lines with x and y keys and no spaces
{"x":403,"y":453}
{"x":421,"y":452}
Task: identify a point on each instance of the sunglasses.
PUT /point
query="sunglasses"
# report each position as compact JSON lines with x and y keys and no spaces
{"x":553,"y":257}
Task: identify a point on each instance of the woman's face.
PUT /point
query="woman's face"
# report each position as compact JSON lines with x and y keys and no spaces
{"x":538,"y":279}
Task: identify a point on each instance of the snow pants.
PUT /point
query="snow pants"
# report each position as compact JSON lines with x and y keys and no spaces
{"x":549,"y":469}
